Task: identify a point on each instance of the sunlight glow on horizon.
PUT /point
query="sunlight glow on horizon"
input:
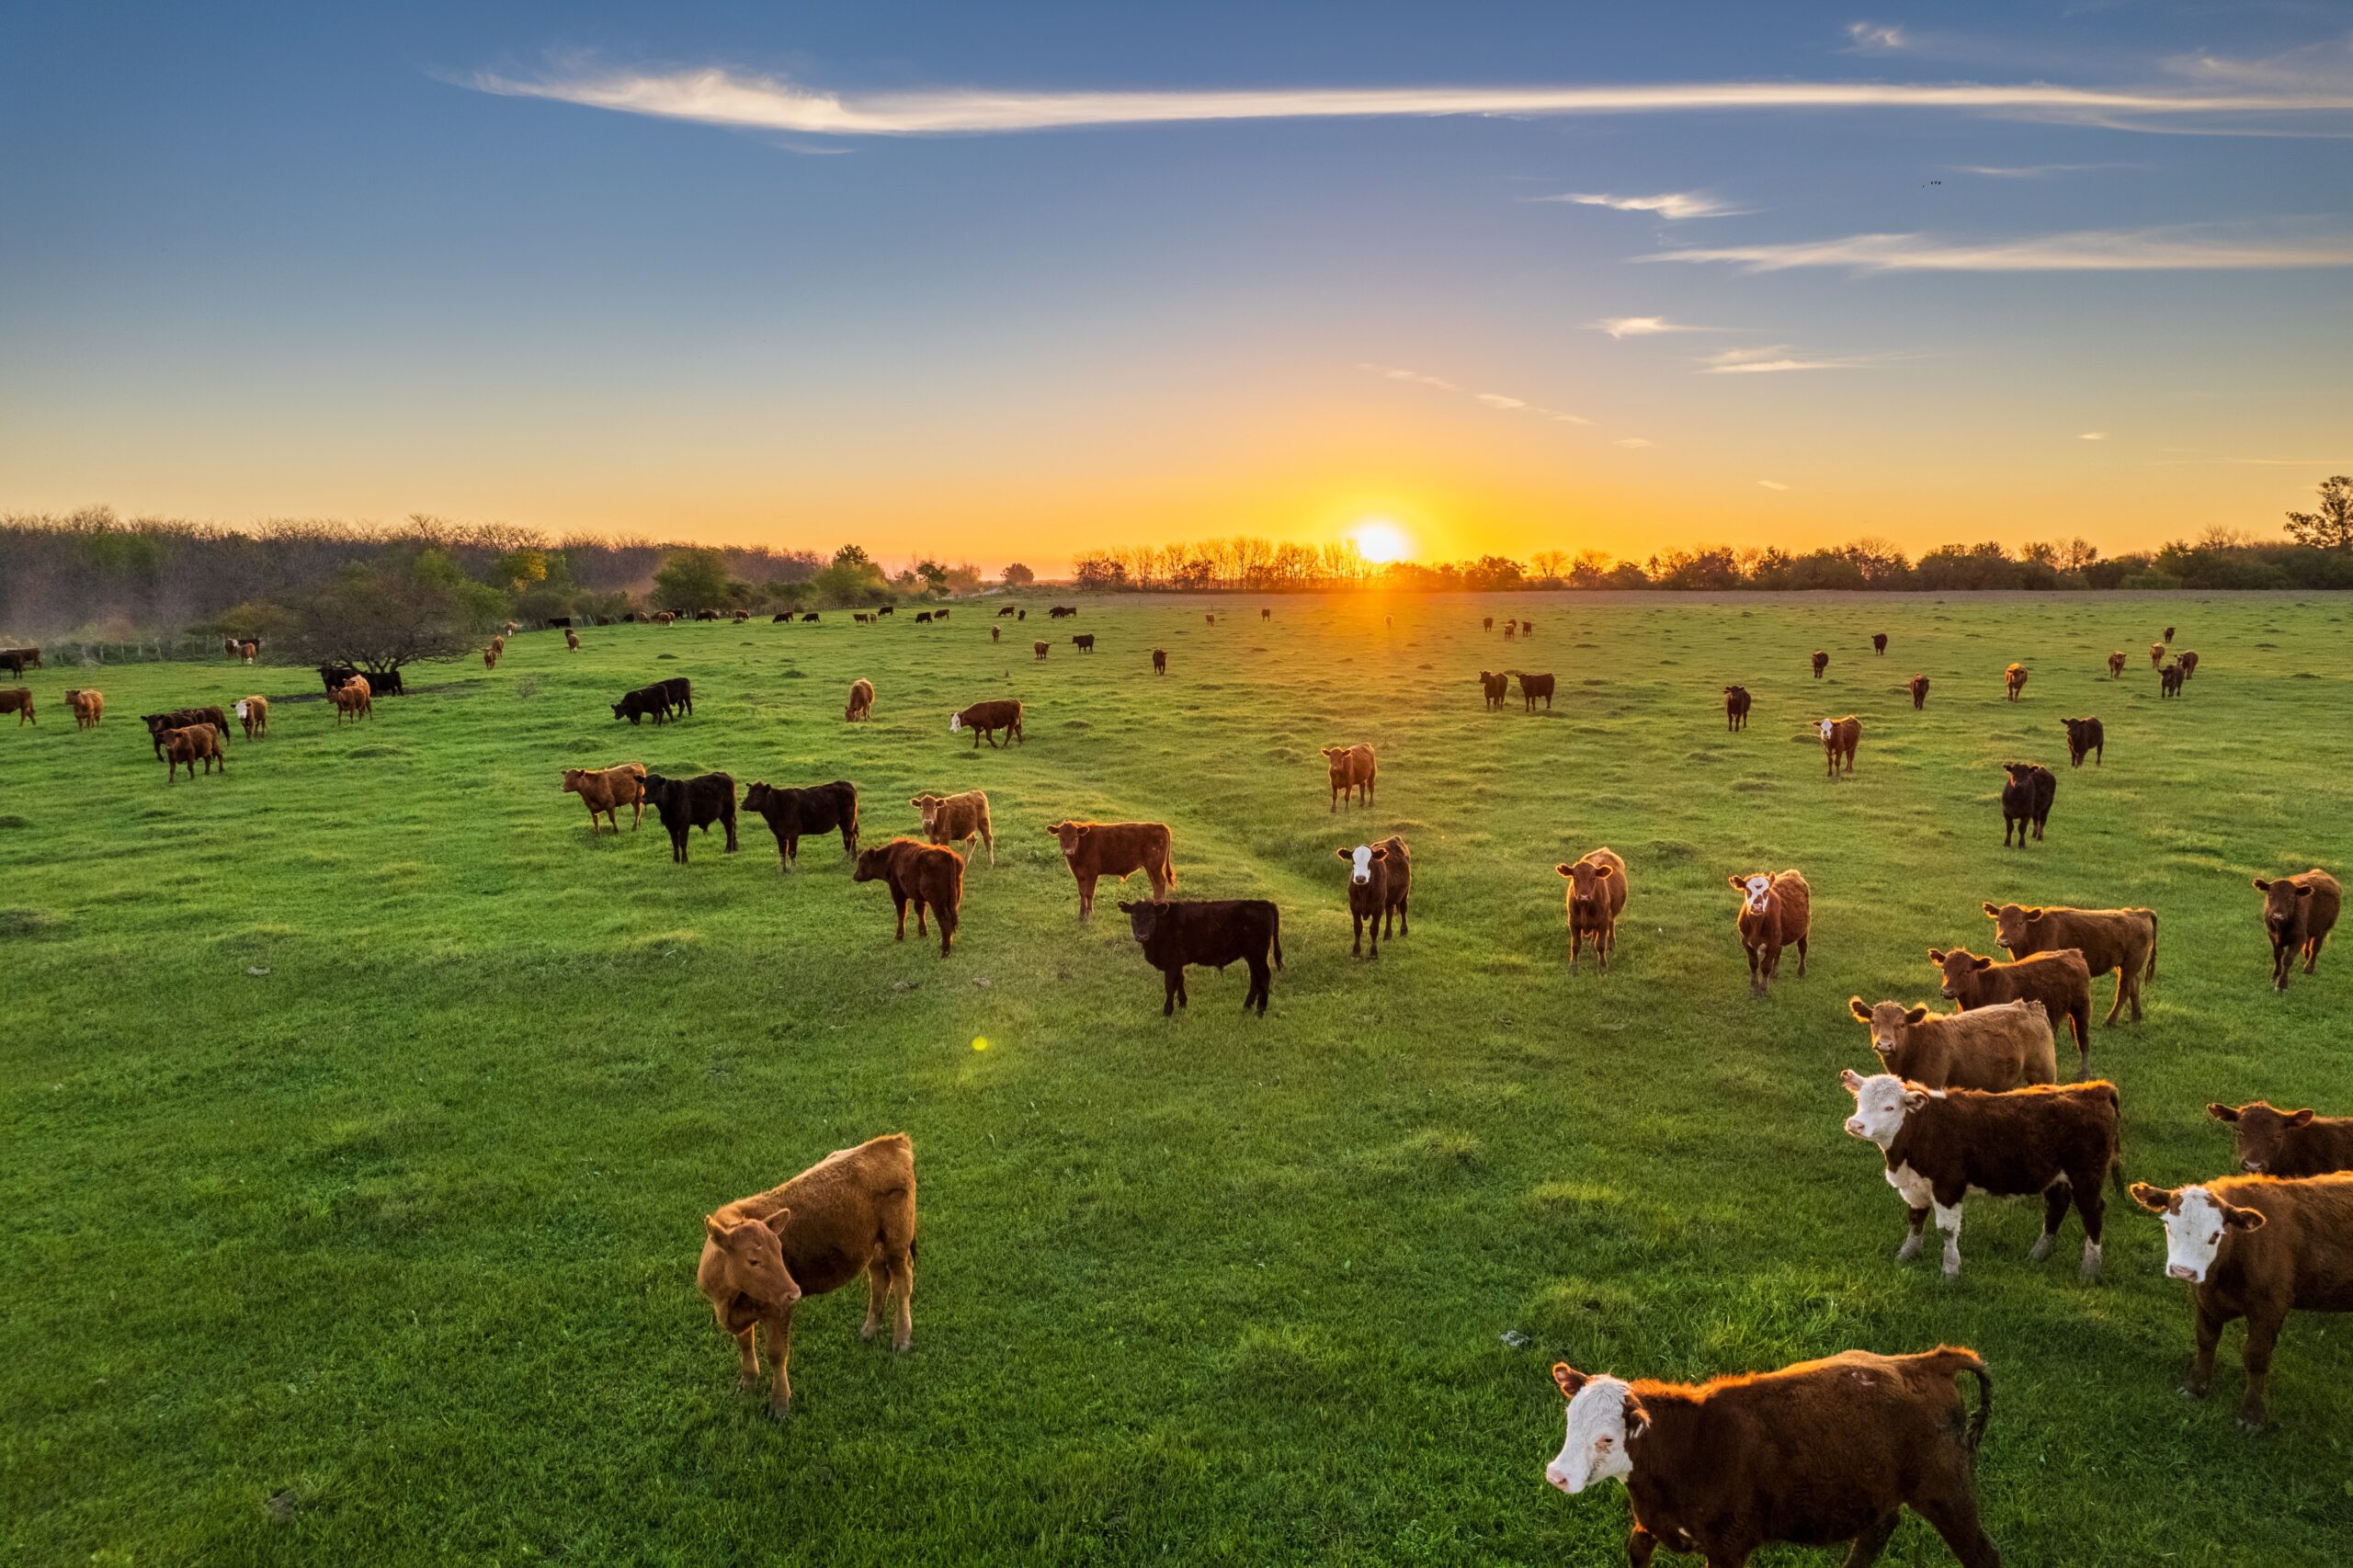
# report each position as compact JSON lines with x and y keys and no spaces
{"x":1380,"y":541}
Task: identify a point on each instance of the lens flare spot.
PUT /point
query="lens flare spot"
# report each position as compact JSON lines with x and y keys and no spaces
{"x":980,"y":1042}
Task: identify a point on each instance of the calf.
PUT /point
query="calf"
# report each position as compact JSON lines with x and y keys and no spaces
{"x":1004,"y":611}
{"x":1211,"y":617}
{"x":1736,"y":705}
{"x":1351,"y":768}
{"x":1532,"y":686}
{"x":89,"y":705}
{"x":852,"y":1212}
{"x":863,"y":618}
{"x":1939,"y":1145}
{"x":2026,"y":800}
{"x":986,"y":719}
{"x":645,"y":701}
{"x":1160,"y":661}
{"x":2156,"y":654}
{"x":2086,"y":737}
{"x":922,"y":874}
{"x":1879,"y":643}
{"x":923,"y":617}
{"x":789,"y":813}
{"x":742,"y":615}
{"x":682,"y":803}
{"x":1265,"y":614}
{"x":1057,"y":612}
{"x":571,"y":638}
{"x":2168,"y":634}
{"x":2298,"y":913}
{"x":1821,"y":663}
{"x":809,"y":616}
{"x":1511,"y":629}
{"x":1596,"y":896}
{"x":1084,"y":642}
{"x":666,"y":617}
{"x":2256,"y":1247}
{"x":996,"y":633}
{"x":2169,"y":681}
{"x":678,"y":692}
{"x":2013,"y":682}
{"x":20,"y":701}
{"x":606,"y":791}
{"x":862,"y":700}
{"x":1216,"y":932}
{"x":253,"y":713}
{"x":940,"y":615}
{"x":1918,"y":687}
{"x":2188,"y":662}
{"x":2116,"y":665}
{"x":353,"y":701}
{"x":1487,"y":623}
{"x":1020,"y":615}
{"x":1381,"y":880}
{"x":1040,"y":647}
{"x":2124,"y":940}
{"x":957,"y":819}
{"x":2061,"y":981}
{"x":1494,"y":686}
{"x":1816,"y":1453}
{"x":1839,"y":739}
{"x":1776,"y":912}
{"x":187,"y":746}
{"x":489,"y":657}
{"x":2006,"y":1047}
{"x":2288,"y":1142}
{"x":1097,"y":849}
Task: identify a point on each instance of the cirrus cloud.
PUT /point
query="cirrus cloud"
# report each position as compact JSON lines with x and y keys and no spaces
{"x":2086,"y":250}
{"x":1674,"y":204}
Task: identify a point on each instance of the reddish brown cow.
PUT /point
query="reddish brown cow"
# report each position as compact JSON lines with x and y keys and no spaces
{"x":922,"y":874}
{"x":185,"y":747}
{"x":986,"y":719}
{"x":1352,"y":769}
{"x":2061,"y":981}
{"x":1381,"y":880}
{"x":2086,"y":737}
{"x":2006,"y":1047}
{"x":1821,"y":663}
{"x":957,"y":819}
{"x":2124,"y":940}
{"x":1839,"y":739}
{"x":1737,"y":706}
{"x":2116,"y":665}
{"x":1039,"y":648}
{"x":89,"y":705}
{"x":1096,"y":849}
{"x":2013,"y":682}
{"x":2288,"y":1142}
{"x":2188,"y":662}
{"x":1918,"y":687}
{"x":1596,"y":896}
{"x":862,"y":700}
{"x":1494,"y":686}
{"x":1160,"y":661}
{"x":1879,"y":643}
{"x":571,"y":638}
{"x":605,"y":790}
{"x":2298,"y":913}
{"x":1776,"y":912}
{"x":20,"y":701}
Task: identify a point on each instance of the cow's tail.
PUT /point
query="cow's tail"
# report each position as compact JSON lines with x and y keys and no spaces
{"x":2152,"y":971}
{"x":1954,"y":1360}
{"x":1277,"y":934}
{"x":1168,"y":862}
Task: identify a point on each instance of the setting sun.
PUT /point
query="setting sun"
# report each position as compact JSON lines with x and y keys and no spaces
{"x":1380,"y":541}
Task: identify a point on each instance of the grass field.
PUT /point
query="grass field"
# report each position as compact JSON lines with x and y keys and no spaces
{"x":361,"y":1108}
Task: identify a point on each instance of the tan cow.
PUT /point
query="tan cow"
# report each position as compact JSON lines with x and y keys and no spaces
{"x":253,"y":713}
{"x":1352,"y":769}
{"x":606,"y":791}
{"x":1596,"y":896}
{"x":957,"y":819}
{"x":862,"y":700}
{"x":2116,"y":665}
{"x":89,"y":706}
{"x":354,"y":699}
{"x":2014,"y":681}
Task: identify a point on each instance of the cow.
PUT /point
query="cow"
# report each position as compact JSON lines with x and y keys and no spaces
{"x":489,"y":657}
{"x":1021,"y":615}
{"x":1160,"y":661}
{"x":187,"y":746}
{"x":1816,"y":1453}
{"x":2124,"y":940}
{"x":1097,"y":849}
{"x":563,"y":622}
{"x":923,"y":617}
{"x":2288,"y":1142}
{"x":18,"y":701}
{"x":1776,"y":912}
{"x":13,"y":661}
{"x":1265,"y":614}
{"x":380,"y":683}
{"x":2257,"y":1247}
{"x":863,"y":618}
{"x":1039,"y":648}
{"x":229,"y":647}
{"x":253,"y":713}
{"x":1511,"y":629}
{"x":2086,"y":737}
{"x":940,"y":615}
{"x":922,"y":874}
{"x":1056,"y":612}
{"x":986,"y":719}
{"x":2168,"y":634}
{"x":740,"y":616}
{"x":2005,"y":1047}
{"x":571,"y":638}
{"x":249,"y":649}
{"x":646,"y":699}
{"x":2116,"y":665}
{"x":682,"y":803}
{"x":1839,"y":739}
{"x":1084,"y":642}
{"x":1216,"y":932}
{"x":1004,"y":611}
{"x":782,"y":618}
{"x":1938,"y":1145}
{"x":354,"y":699}
{"x":2298,"y":913}
{"x":882,"y":610}
{"x":606,"y":790}
{"x":1380,"y":881}
{"x":700,"y":614}
{"x":862,"y":700}
{"x":1737,"y":706}
{"x":1918,"y":687}
{"x":89,"y":705}
{"x":1596,"y":896}
{"x":819,"y":808}
{"x":158,"y":724}
{"x":1526,"y":627}
{"x":1821,"y":663}
{"x":679,"y":693}
{"x":1211,"y":617}
{"x":1487,"y":623}
{"x":2156,"y":654}
{"x":2013,"y":682}
{"x":852,"y":1212}
{"x":2188,"y":662}
{"x":1352,"y":769}
{"x":665,"y":616}
{"x":2027,"y":794}
{"x":1494,"y":687}
{"x":810,"y":616}
{"x":2061,"y":981}
{"x":2169,"y":680}
{"x":1879,"y":643}
{"x":957,"y":820}
{"x":1532,"y":686}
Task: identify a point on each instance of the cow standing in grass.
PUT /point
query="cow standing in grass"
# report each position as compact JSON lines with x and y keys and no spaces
{"x":1596,"y":896}
{"x":2288,"y":1142}
{"x":1840,"y":737}
{"x":1776,"y":912}
{"x":2124,"y":940}
{"x":1352,"y":769}
{"x":1381,"y":878}
{"x":2298,"y":913}
{"x":1737,"y":706}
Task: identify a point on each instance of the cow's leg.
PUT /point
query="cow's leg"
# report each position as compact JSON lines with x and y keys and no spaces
{"x":1952,"y":1512}
{"x":1086,"y":895}
{"x":780,"y":1330}
{"x":2209,"y":1325}
{"x":1639,"y":1544}
{"x":2262,"y":1334}
{"x":1918,"y":1223}
{"x":747,"y":1358}
{"x":1872,"y":1542}
{"x":2283,"y":958}
{"x":901,"y":900}
{"x":2056,"y":1199}
{"x":730,"y":820}
{"x":917,"y":900}
{"x":877,"y":1295}
{"x":1405,"y":927}
{"x":2079,"y":1024}
{"x":2093,"y":1206}
{"x":2117,"y":1006}
{"x":2312,"y":954}
{"x":1949,"y":1221}
{"x":1168,"y":993}
{"x":988,"y":840}
{"x":1262,"y":983}
{"x":1801,"y":958}
{"x":1755,"y":978}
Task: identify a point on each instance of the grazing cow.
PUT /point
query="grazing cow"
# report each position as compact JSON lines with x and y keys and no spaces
{"x":2124,"y":940}
{"x":2085,"y":736}
{"x":665,"y":616}
{"x":820,"y":808}
{"x":2116,"y":665}
{"x":957,"y":819}
{"x":606,"y":790}
{"x":677,"y":694}
{"x":2169,"y":680}
{"x":1737,"y":706}
{"x":1056,"y":612}
{"x":882,"y":610}
{"x":1532,"y":686}
{"x":571,"y":638}
{"x":1495,"y":685}
{"x":940,"y":615}
{"x":742,"y":615}
{"x":2026,"y":800}
{"x":1817,"y":1453}
{"x":1879,"y":643}
{"x":2013,"y":682}
{"x":188,"y":744}
{"x":700,"y":614}
{"x":862,"y":617}
{"x":782,"y":618}
{"x":2006,"y":1047}
{"x":923,"y":617}
{"x":19,"y":700}
{"x":810,"y":616}
{"x":862,"y":700}
{"x":1776,"y":912}
{"x":353,"y":701}
{"x":922,"y":874}
{"x":2060,"y":1140}
{"x":1839,"y":739}
{"x":1381,"y":880}
{"x":1821,"y":663}
{"x":1084,"y":642}
{"x":2288,"y":1142}
{"x":2156,"y":654}
{"x":89,"y":705}
{"x":1526,"y":627}
{"x":1005,"y":611}
{"x":1352,"y":769}
{"x":1596,"y":896}
{"x":1216,"y":932}
{"x":1511,"y":629}
{"x":2061,"y":981}
{"x":2256,"y":1247}
{"x":1160,"y":661}
{"x":1919,"y":689}
{"x":2188,"y":662}
{"x":986,"y":719}
{"x":994,"y":633}
{"x":1097,"y":849}
{"x":682,"y":803}
{"x":852,"y":1212}
{"x":2298,"y":913}
{"x":253,"y":712}
{"x":645,"y":699}
{"x":1038,"y":648}
{"x":158,"y":724}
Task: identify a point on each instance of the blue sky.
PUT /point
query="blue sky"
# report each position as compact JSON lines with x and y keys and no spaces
{"x":996,"y":280}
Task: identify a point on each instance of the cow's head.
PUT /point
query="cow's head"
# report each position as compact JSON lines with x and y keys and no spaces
{"x":1070,"y":832}
{"x":751,"y":1258}
{"x":1588,"y":880}
{"x":874,"y":865}
{"x":1881,"y":1102}
{"x":2078,"y":733}
{"x":2262,"y":1132}
{"x":1828,"y":728}
{"x":1754,"y":891}
{"x":927,"y":807}
{"x":2021,"y":773}
{"x":1604,"y":1419}
{"x":572,"y":777}
{"x":2281,"y":902}
{"x":955,"y":724}
{"x":1360,"y":861}
{"x":1960,"y":966}
{"x":659,"y":790}
{"x":242,"y":710}
{"x":1143,"y":917}
{"x":2013,"y":923}
{"x":756,"y":797}
{"x":2196,"y":1224}
{"x":1891,"y":1023}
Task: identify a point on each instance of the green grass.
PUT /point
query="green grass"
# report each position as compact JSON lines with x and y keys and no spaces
{"x":362,"y":1109}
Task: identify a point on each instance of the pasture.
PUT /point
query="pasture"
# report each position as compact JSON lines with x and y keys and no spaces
{"x":362,"y":1109}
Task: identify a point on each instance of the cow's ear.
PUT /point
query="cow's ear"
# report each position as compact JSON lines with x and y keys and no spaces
{"x":1852,"y":1079}
{"x":1915,"y":1015}
{"x":1981,"y":963}
{"x":1569,"y":1379}
{"x":1604,"y":872}
{"x":2034,"y":916}
{"x":2261,"y":885}
{"x":1380,"y":854}
{"x":1565,"y":869}
{"x":713,"y":1228}
{"x":2222,"y":1112}
{"x":776,"y":1220}
{"x":1346,"y":854}
{"x":1914,"y":1098}
{"x":1638,"y":1420}
{"x":2239,"y":1219}
{"x":1855,"y":1005}
{"x":1988,"y":908}
{"x":1740,"y":882}
{"x":2301,"y":1117}
{"x":2304,"y":889}
{"x":1936,"y":955}
{"x":2155,"y":1199}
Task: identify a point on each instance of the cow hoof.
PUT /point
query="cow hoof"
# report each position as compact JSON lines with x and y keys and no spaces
{"x":1952,"y":1270}
{"x":2041,"y":1250}
{"x":2187,"y":1392}
{"x":1907,"y":1252}
{"x":780,"y":1412}
{"x":747,"y":1382}
{"x":2250,"y":1426}
{"x":901,"y":1346}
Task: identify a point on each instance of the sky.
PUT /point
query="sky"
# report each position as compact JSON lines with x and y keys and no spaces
{"x":1010,"y":282}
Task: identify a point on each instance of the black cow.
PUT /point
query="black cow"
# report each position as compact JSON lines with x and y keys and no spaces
{"x":1021,"y":615}
{"x":678,"y":691}
{"x":923,"y":617}
{"x":820,"y":808}
{"x":2086,"y":735}
{"x":1057,"y":611}
{"x":886,"y":610}
{"x":1212,"y":931}
{"x":1879,"y":641}
{"x":158,"y":724}
{"x":1005,"y":611}
{"x":811,"y":616}
{"x":646,"y":699}
{"x":385,"y":683}
{"x":1532,"y":686}
{"x":558,"y":622}
{"x":785,"y":618}
{"x":1084,"y":642}
{"x":683,"y":803}
{"x":2026,"y":800}
{"x":2169,"y":679}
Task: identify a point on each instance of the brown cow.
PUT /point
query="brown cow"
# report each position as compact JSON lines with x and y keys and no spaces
{"x":2086,"y":737}
{"x":185,"y":747}
{"x":986,"y":719}
{"x":2061,"y":981}
{"x":1839,"y":739}
{"x":1160,"y":661}
{"x":89,"y":705}
{"x":1821,"y":663}
{"x":608,"y":790}
{"x":1596,"y":896}
{"x":1084,"y":642}
{"x":1096,"y":849}
{"x":852,"y":1212}
{"x":2124,"y":940}
{"x":957,"y":819}
{"x":2168,"y":634}
{"x":2257,"y":1247}
{"x":1039,"y":648}
{"x":1918,"y":687}
{"x":2013,"y":682}
{"x":1736,"y":705}
{"x":2188,"y":662}
{"x":1532,"y":686}
{"x":1939,"y":1145}
{"x":2298,"y":913}
{"x":665,"y":616}
{"x":2156,"y":654}
{"x":1879,"y":643}
{"x":20,"y":701}
{"x":353,"y":700}
{"x":489,"y":657}
{"x":1776,"y":912}
{"x":1380,"y":882}
{"x":1511,"y":629}
{"x":571,"y":638}
{"x":2006,"y":1047}
{"x":862,"y":700}
{"x":2169,"y":680}
{"x":1352,"y":769}
{"x":1816,"y":1453}
{"x":2116,"y":665}
{"x":995,"y":634}
{"x":1494,"y":686}
{"x":922,"y":874}
{"x":2288,"y":1142}
{"x":253,"y":713}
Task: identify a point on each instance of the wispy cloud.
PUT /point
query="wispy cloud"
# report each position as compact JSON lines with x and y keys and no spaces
{"x":1647,"y":326}
{"x":1774,"y":359}
{"x":2034,"y":171}
{"x":1773,"y":485}
{"x":1874,"y":38}
{"x":1396,"y":374}
{"x":1502,"y":402}
{"x":2088,"y":250}
{"x":1671,"y":204}
{"x":1498,"y":399}
{"x":2093,"y":435}
{"x":1633,"y":443}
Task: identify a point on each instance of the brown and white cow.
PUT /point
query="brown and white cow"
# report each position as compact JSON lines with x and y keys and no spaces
{"x":2007,"y":1047}
{"x":2124,"y":940}
{"x":1381,"y":881}
{"x":957,"y":819}
{"x":2298,"y":913}
{"x":1096,"y":849}
{"x":2061,"y":981}
{"x":1839,"y":739}
{"x":253,"y":713}
{"x":1596,"y":896}
{"x":571,"y":638}
{"x":1352,"y":769}
{"x":1776,"y":912}
{"x":2288,"y":1142}
{"x":983,"y":719}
